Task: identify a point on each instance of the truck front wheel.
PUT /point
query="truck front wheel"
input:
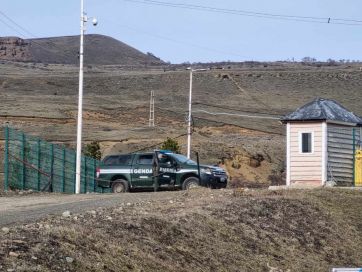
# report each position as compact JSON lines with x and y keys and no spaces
{"x":190,"y":183}
{"x":120,"y":186}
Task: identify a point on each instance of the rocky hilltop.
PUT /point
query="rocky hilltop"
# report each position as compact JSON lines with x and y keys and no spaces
{"x":14,"y":49}
{"x":99,"y":50}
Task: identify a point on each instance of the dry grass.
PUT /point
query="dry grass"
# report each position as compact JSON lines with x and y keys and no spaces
{"x":116,"y":105}
{"x":203,"y":230}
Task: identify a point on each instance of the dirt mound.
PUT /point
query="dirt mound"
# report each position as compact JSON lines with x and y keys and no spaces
{"x":99,"y":50}
{"x":201,"y":230}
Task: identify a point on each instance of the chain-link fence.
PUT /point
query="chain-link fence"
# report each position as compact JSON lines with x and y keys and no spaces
{"x":32,"y":163}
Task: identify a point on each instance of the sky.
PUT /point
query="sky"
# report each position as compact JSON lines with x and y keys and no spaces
{"x":188,"y":35}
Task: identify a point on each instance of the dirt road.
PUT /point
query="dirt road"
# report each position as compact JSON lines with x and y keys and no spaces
{"x":23,"y":209}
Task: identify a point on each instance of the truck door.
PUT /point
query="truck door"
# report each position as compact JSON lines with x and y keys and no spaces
{"x":142,"y":170}
{"x":167,"y":171}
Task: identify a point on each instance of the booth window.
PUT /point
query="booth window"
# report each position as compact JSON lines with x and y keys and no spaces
{"x":306,"y":142}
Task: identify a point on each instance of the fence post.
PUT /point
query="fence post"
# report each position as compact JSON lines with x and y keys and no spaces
{"x":6,"y":160}
{"x":73,"y":171}
{"x":23,"y":178}
{"x":354,"y":155}
{"x":38,"y":162}
{"x":94,"y":174}
{"x":51,"y":167}
{"x":85,"y":174}
{"x":63,"y":170}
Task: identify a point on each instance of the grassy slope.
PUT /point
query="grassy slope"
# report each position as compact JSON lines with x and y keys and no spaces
{"x":116,"y":106}
{"x":202,"y":231}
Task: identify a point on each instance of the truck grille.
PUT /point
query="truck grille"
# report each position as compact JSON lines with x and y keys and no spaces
{"x":219,"y":173}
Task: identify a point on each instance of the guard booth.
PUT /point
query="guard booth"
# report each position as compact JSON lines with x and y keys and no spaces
{"x":323,"y":145}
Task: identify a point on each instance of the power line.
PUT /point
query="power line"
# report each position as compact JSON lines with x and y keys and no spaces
{"x":157,"y":36}
{"x":31,"y":35}
{"x":238,"y":115}
{"x":233,"y":109}
{"x":11,"y":27}
{"x":307,"y":19}
{"x":15,"y":23}
{"x":219,"y":122}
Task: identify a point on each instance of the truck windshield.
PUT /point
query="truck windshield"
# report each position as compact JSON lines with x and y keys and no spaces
{"x":117,"y":159}
{"x":183,"y":159}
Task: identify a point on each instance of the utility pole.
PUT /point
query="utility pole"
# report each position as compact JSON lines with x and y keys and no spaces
{"x":80,"y":101}
{"x":189,"y":119}
{"x":151,"y":122}
{"x":83,"y":20}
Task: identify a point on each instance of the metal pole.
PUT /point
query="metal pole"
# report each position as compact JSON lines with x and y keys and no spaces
{"x":151,"y":122}
{"x":189,"y":119}
{"x":80,"y":102}
{"x":198,"y":165}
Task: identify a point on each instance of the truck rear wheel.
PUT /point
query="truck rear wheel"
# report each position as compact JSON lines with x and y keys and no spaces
{"x":120,"y":186}
{"x":189,"y":183}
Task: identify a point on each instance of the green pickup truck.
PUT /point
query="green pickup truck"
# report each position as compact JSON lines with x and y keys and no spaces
{"x":156,"y":170}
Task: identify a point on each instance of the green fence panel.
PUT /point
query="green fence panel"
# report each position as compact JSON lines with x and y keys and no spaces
{"x":31,"y":163}
{"x":23,"y":172}
{"x":6,"y":160}
{"x":63,"y":169}
{"x":38,"y":163}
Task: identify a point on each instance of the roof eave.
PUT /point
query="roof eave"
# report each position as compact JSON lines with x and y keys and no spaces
{"x":343,"y":123}
{"x":284,"y":121}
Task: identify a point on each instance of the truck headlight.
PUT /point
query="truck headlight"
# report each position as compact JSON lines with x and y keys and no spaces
{"x":206,"y":171}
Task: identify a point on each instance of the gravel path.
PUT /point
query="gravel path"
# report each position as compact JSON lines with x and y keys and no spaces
{"x":16,"y":210}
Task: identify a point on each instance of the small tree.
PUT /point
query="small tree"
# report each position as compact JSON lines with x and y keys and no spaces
{"x":309,"y":60}
{"x":172,"y":145}
{"x":93,"y":150}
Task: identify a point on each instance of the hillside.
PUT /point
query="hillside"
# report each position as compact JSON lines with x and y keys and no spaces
{"x":42,"y":100}
{"x":99,"y":50}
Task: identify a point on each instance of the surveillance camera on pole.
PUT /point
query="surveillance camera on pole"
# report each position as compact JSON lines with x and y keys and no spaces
{"x":83,"y":20}
{"x":95,"y":21}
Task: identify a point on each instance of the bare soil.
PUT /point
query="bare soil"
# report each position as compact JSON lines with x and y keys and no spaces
{"x":201,"y":230}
